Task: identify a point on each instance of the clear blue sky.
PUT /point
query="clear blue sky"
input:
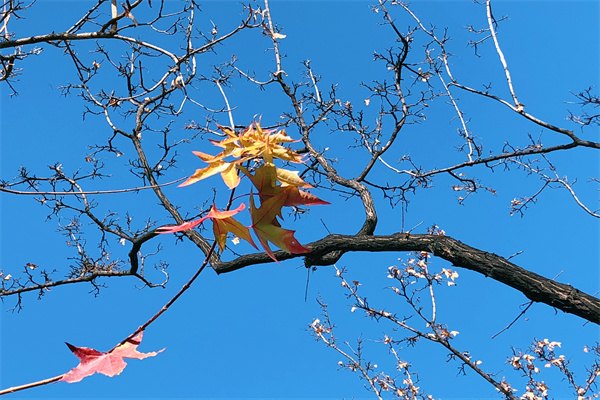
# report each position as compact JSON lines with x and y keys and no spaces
{"x":245,"y":335}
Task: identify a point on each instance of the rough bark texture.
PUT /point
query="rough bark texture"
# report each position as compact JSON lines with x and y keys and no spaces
{"x":535,"y":287}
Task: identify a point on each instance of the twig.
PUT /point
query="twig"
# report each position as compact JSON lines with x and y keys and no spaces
{"x":229,"y":110}
{"x":92,"y":192}
{"x":491,"y":22}
{"x":459,"y":113}
{"x":314,"y":82}
{"x":274,"y":36}
{"x":30,"y":385}
{"x":507,"y":327}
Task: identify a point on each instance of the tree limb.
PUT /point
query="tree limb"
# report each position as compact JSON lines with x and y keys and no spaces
{"x":535,"y":287}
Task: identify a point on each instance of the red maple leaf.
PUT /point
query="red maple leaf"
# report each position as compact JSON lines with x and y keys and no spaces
{"x":110,"y":363}
{"x":213,"y":214}
{"x":223,"y":223}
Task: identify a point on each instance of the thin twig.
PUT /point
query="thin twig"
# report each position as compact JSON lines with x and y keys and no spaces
{"x":92,"y":192}
{"x":30,"y":385}
{"x":491,"y":23}
{"x":229,"y":110}
{"x":274,"y":36}
{"x":507,"y":327}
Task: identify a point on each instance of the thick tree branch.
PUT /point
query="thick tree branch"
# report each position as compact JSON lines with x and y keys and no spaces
{"x":533,"y":286}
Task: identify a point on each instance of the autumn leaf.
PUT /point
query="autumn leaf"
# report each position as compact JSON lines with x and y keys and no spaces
{"x":186,"y":226}
{"x":110,"y":363}
{"x":264,"y":179}
{"x":297,"y":197}
{"x":267,"y":229}
{"x":290,"y":178}
{"x":223,"y":223}
{"x":251,"y":143}
{"x":214,"y":213}
{"x":270,"y":145}
{"x":227,"y":170}
{"x":268,"y":210}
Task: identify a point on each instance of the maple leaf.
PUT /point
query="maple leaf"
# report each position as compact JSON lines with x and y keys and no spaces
{"x":110,"y":363}
{"x":290,"y":178}
{"x":267,"y":229}
{"x":269,"y":145}
{"x":297,"y":197}
{"x":251,"y":143}
{"x":264,"y":179}
{"x":223,"y":223}
{"x":227,"y":170}
{"x":186,"y":226}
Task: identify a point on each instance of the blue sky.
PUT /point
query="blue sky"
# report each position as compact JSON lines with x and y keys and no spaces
{"x":245,"y":334}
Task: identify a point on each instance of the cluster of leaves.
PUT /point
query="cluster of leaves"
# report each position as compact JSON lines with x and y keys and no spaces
{"x":253,"y":151}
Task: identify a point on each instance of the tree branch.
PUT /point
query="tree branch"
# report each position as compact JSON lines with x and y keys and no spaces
{"x":535,"y":287}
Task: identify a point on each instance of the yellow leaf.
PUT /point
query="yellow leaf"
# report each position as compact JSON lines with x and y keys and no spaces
{"x":230,"y":176}
{"x":202,"y":173}
{"x":204,"y":156}
{"x":290,"y":178}
{"x":251,"y":143}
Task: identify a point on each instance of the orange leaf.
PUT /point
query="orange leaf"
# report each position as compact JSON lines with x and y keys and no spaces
{"x":296,"y":197}
{"x":266,"y":227}
{"x":264,"y":181}
{"x":222,"y":225}
{"x":186,"y":226}
{"x":269,"y":209}
{"x":204,"y":156}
